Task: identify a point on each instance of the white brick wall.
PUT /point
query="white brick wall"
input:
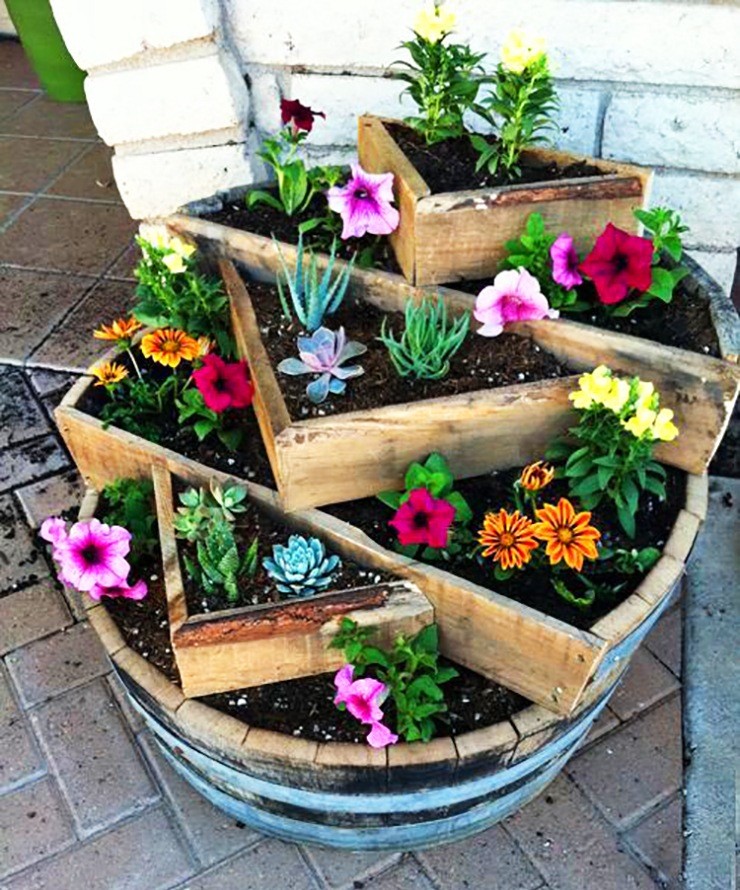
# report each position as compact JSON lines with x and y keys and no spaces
{"x":6,"y":26}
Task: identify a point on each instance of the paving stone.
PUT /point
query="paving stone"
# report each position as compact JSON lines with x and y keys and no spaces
{"x":20,"y":560}
{"x":20,"y":759}
{"x":124,"y":266}
{"x":26,"y":462}
{"x":666,"y":640}
{"x":68,"y":236}
{"x":646,"y":682}
{"x":12,"y":101}
{"x":50,"y":497}
{"x":71,"y":346}
{"x":15,"y":69}
{"x":270,"y":864}
{"x":33,"y":302}
{"x":91,"y":176}
{"x":572,"y":846}
{"x":132,"y":717}
{"x":46,"y":382}
{"x":11,"y":204}
{"x":491,"y":853}
{"x":27,"y":165}
{"x":213,"y":835}
{"x":33,"y":824}
{"x":407,"y":876}
{"x":634,"y":768}
{"x":53,"y":120}
{"x":55,"y":664}
{"x":658,"y":841}
{"x":142,"y":854}
{"x":30,"y":614}
{"x":340,"y":868}
{"x":94,"y":757}
{"x":21,"y":416}
{"x":605,"y":722}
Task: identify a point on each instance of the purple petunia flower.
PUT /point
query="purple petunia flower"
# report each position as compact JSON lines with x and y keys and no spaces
{"x":364,"y":204}
{"x":565,"y":262}
{"x":93,"y":554}
{"x":123,"y":590}
{"x":515,"y":295}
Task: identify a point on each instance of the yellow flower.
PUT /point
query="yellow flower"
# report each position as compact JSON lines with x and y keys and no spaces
{"x":617,"y":396}
{"x":664,"y":428}
{"x":645,"y":393}
{"x":109,"y":373}
{"x":205,"y":346}
{"x":184,"y":248}
{"x":640,"y":422}
{"x":157,"y":236}
{"x":594,"y":387}
{"x":121,"y":330}
{"x":169,"y":347}
{"x":174,"y":262}
{"x":432,"y":25}
{"x":520,"y":50}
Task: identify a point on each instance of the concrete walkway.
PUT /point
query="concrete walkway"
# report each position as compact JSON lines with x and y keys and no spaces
{"x":85,"y":799}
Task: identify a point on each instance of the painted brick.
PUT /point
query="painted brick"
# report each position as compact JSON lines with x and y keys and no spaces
{"x":577,"y":119}
{"x":20,"y":759}
{"x":31,"y":613}
{"x":691,"y":130}
{"x":196,"y":95}
{"x":107,"y":31}
{"x":709,"y":205}
{"x":265,"y":94}
{"x":159,"y":183}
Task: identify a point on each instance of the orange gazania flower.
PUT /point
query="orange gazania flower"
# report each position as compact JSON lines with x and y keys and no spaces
{"x":568,"y":534}
{"x":507,"y":538}
{"x":109,"y":373}
{"x":536,"y":476}
{"x":169,"y":347}
{"x":120,"y":329}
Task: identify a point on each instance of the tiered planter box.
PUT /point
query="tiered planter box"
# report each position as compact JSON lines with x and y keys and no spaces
{"x":453,"y":236}
{"x":253,"y":645}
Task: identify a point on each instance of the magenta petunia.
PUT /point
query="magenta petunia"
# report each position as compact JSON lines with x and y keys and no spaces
{"x":515,"y":295}
{"x":380,"y":736}
{"x":565,"y":262}
{"x":123,"y":590}
{"x":361,"y":697}
{"x":364,"y":204}
{"x":618,"y":263}
{"x":423,"y":519}
{"x":54,"y":530}
{"x":94,"y":554}
{"x":299,"y":116}
{"x":224,"y":384}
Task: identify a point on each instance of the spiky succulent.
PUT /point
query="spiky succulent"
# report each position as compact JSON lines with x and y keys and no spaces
{"x":323,"y":354}
{"x":218,"y":565}
{"x":301,"y":568}
{"x":201,"y":508}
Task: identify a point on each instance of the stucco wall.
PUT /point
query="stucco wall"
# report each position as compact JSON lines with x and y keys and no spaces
{"x":186,"y":88}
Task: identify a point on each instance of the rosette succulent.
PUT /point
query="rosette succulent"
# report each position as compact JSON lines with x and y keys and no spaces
{"x":301,"y":568}
{"x":323,"y":354}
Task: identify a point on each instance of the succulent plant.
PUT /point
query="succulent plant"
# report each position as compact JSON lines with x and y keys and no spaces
{"x":323,"y":354}
{"x":301,"y":568}
{"x":202,"y":507}
{"x":218,"y":566}
{"x":228,"y":499}
{"x":312,"y":299}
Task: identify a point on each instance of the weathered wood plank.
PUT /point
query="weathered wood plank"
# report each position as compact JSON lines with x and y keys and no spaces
{"x":177,"y":608}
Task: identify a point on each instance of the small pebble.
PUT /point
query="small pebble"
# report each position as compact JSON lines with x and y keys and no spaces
{"x":241,"y":701}
{"x":230,"y":461}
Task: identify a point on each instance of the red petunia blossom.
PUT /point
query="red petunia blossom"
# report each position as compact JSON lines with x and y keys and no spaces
{"x":300,"y":116}
{"x":619,"y":262}
{"x":224,"y":385}
{"x":423,"y":519}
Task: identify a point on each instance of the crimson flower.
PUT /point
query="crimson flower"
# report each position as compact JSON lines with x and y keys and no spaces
{"x":300,"y":116}
{"x":423,"y":519}
{"x":619,"y":262}
{"x":224,"y":384}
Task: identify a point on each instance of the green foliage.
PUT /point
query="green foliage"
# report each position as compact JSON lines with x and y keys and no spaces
{"x":434,"y":475}
{"x":665,"y":229}
{"x":631,"y":562}
{"x":130,"y":503}
{"x":429,"y":340}
{"x":202,"y":507}
{"x":312,"y":298}
{"x":411,"y":670}
{"x":186,"y":300}
{"x":443,"y":80}
{"x":137,"y":404}
{"x":532,"y":252}
{"x":193,"y":412}
{"x":520,"y":108}
{"x":218,"y":566}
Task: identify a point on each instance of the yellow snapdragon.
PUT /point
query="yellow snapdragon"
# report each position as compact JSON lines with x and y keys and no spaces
{"x":174,"y":262}
{"x":593,"y":387}
{"x":663,"y":427}
{"x":520,"y":50}
{"x":640,"y":422}
{"x":617,"y":396}
{"x":432,"y":24}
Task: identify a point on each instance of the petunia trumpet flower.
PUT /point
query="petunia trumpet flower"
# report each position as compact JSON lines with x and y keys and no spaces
{"x":364,"y":204}
{"x":423,"y":519}
{"x":299,"y":116}
{"x":565,"y":262}
{"x":618,"y":263}
{"x":363,"y":698}
{"x":224,"y":385}
{"x":515,"y":295}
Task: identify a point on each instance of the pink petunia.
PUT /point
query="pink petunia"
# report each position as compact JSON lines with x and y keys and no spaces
{"x":565,"y":262}
{"x":619,"y":263}
{"x":94,"y":554}
{"x":224,"y":384}
{"x":423,"y":519}
{"x":54,"y":530}
{"x":361,"y":697}
{"x":380,"y":736}
{"x":364,"y":204}
{"x":515,"y":295}
{"x":124,"y":590}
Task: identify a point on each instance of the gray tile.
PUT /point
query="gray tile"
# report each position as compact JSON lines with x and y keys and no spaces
{"x":341,"y":868}
{"x":20,"y":759}
{"x":21,"y":416}
{"x":31,"y":613}
{"x":21,"y":562}
{"x":30,"y":461}
{"x":271,"y":864}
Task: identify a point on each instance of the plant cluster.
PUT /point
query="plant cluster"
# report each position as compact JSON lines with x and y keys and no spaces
{"x":323,"y":355}
{"x":409,"y":675}
{"x":301,"y":567}
{"x":130,"y":503}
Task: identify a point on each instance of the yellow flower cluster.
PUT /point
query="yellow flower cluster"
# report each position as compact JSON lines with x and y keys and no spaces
{"x":642,"y":417}
{"x":432,"y":24}
{"x":520,"y":50}
{"x":178,"y":250}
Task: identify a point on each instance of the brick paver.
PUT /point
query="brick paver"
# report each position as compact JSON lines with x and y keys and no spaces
{"x":270,"y":864}
{"x":658,"y":842}
{"x":22,"y":416}
{"x":30,"y":614}
{"x":407,"y":876}
{"x":646,"y":683}
{"x":340,"y":868}
{"x":666,"y":639}
{"x":24,"y":463}
{"x":20,"y":560}
{"x":20,"y":758}
{"x":50,"y":497}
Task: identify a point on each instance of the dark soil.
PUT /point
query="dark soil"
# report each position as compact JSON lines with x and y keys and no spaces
{"x":532,"y":588}
{"x":449,"y":166}
{"x":249,"y":462}
{"x":481,"y":362}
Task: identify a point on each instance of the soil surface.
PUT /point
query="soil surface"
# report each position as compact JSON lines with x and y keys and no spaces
{"x":489,"y":493}
{"x":449,"y":166}
{"x":481,"y":362}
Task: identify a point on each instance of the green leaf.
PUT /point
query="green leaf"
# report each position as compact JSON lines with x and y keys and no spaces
{"x":588,"y":485}
{"x":655,"y":486}
{"x":626,"y":519}
{"x":426,"y":686}
{"x":391,"y":499}
{"x":427,"y":640}
{"x":630,"y":494}
{"x":463,"y":513}
{"x":203,"y":428}
{"x":257,"y":196}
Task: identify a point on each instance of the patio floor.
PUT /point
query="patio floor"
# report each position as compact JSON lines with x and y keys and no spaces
{"x":85,"y":800}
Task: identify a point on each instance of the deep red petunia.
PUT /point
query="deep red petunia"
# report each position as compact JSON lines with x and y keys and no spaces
{"x":619,"y":262}
{"x":301,"y":116}
{"x":423,"y":519}
{"x":223,"y":385}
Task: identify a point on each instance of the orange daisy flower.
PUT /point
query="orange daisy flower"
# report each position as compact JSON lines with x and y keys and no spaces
{"x":109,"y":373}
{"x":169,"y":347}
{"x":536,"y":476}
{"x":507,"y":538}
{"x":120,"y":329}
{"x":568,"y":534}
